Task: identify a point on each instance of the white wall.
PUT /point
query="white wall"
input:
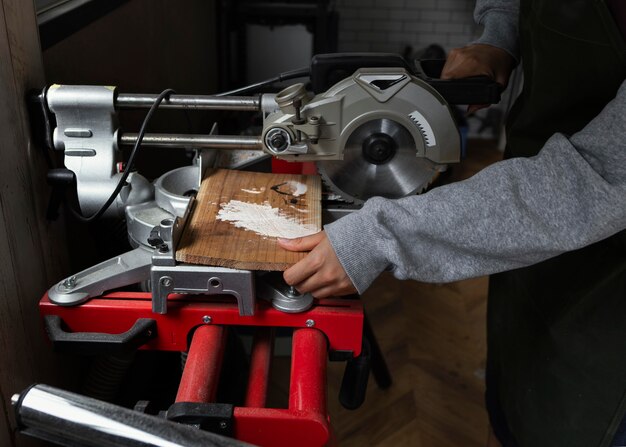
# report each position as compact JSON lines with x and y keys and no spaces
{"x":391,"y":25}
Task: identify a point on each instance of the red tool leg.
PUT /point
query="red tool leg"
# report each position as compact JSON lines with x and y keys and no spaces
{"x":307,"y":391}
{"x":204,"y":363}
{"x":260,"y":362}
{"x":305,"y":423}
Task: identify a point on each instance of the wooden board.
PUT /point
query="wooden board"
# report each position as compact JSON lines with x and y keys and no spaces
{"x":261,"y":207}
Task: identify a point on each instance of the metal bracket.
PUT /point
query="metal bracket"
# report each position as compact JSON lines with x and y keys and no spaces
{"x":128,"y":268}
{"x":86,"y":131}
{"x":187,"y":278}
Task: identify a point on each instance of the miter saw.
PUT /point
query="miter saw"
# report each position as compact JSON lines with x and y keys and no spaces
{"x":373,"y":125}
{"x":385,"y":129}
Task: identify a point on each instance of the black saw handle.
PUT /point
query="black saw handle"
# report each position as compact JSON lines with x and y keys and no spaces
{"x":473,"y":90}
{"x":328,"y":69}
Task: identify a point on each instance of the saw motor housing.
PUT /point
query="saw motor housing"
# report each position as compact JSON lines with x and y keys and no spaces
{"x":323,"y":124}
{"x":399,"y":130}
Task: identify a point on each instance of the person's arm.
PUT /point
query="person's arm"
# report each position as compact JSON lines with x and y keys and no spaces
{"x":500,"y":19}
{"x":512,"y":214}
{"x":495,"y":53}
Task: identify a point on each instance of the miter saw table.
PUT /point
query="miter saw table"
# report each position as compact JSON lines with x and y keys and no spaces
{"x":384,"y":129}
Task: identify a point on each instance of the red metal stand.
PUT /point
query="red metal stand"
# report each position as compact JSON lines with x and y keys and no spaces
{"x":335,"y":325}
{"x":340,"y":320}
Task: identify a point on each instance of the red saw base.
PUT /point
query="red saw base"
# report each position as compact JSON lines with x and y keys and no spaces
{"x":330,"y":325}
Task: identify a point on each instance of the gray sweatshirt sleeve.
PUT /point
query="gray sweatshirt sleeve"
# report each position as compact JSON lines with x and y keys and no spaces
{"x":500,"y":19}
{"x":512,"y":214}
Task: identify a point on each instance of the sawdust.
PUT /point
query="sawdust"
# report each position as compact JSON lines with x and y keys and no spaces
{"x":263,"y":219}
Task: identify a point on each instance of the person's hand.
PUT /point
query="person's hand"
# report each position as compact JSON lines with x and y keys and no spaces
{"x":320,"y":272}
{"x":479,"y":60}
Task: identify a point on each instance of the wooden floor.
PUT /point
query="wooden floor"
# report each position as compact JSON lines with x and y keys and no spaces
{"x":433,"y":338}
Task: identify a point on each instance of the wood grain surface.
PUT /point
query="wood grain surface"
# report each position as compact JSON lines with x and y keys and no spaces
{"x":208,"y":240}
{"x":32,"y":249}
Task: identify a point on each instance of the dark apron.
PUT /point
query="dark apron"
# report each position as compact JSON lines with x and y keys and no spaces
{"x":556,"y":370}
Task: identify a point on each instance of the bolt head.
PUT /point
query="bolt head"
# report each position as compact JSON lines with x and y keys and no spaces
{"x":163,"y":248}
{"x":278,"y":140}
{"x":309,"y":323}
{"x":223,"y":425}
{"x":70,"y":282}
{"x":207,"y":319}
{"x":166,"y":282}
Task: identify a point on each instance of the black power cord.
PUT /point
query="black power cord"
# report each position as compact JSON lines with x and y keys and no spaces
{"x":299,"y":73}
{"x":120,"y":184}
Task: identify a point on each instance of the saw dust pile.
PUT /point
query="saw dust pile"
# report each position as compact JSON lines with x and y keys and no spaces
{"x":264,"y":220}
{"x":239,"y":215}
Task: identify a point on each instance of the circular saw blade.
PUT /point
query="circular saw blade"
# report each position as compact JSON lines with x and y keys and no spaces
{"x":379,"y":160}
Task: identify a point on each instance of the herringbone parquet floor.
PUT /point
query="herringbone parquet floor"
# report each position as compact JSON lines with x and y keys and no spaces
{"x":433,"y":339}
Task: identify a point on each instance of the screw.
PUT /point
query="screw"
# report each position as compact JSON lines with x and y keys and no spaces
{"x":309,"y":323}
{"x":163,"y":248}
{"x":166,"y":281}
{"x":207,"y":319}
{"x":293,"y":291}
{"x":223,"y":425}
{"x":297,"y":104}
{"x":15,"y":399}
{"x":70,"y":283}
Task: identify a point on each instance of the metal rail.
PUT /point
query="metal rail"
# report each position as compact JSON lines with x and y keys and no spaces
{"x":199,"y":102}
{"x":207,"y":141}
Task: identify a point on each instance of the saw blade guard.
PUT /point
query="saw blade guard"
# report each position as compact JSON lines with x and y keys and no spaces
{"x":380,"y":132}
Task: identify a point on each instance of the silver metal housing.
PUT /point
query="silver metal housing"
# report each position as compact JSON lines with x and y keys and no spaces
{"x":370,"y":94}
{"x":86,"y":127}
